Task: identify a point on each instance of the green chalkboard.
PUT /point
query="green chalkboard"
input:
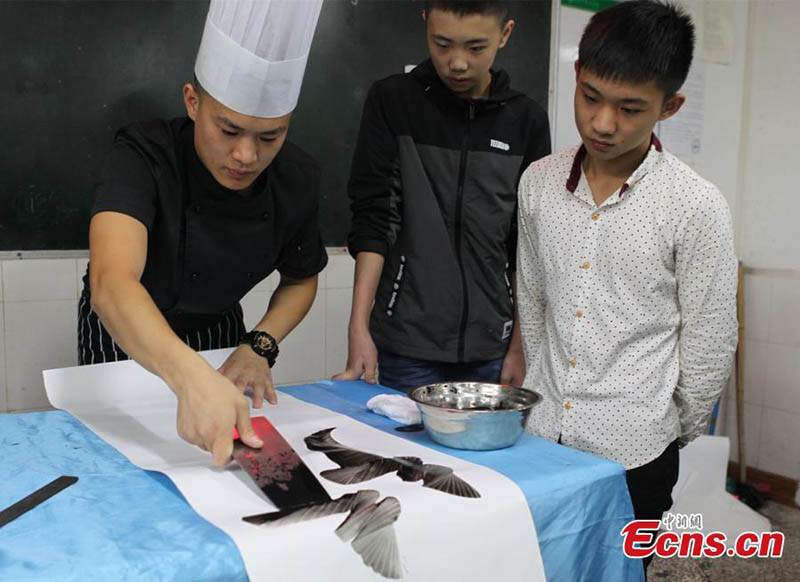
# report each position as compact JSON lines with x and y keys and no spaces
{"x":74,"y":71}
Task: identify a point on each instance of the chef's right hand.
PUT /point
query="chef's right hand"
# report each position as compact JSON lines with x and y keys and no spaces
{"x":362,"y":357}
{"x":209,"y":407}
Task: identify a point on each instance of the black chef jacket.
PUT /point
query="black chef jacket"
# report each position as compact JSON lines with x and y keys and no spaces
{"x":207,"y":245}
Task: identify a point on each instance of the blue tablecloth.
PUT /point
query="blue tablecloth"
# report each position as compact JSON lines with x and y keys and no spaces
{"x":121,"y":523}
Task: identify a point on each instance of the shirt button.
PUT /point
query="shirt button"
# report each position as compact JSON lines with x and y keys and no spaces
{"x":579,"y":313}
{"x":195,"y":276}
{"x":573,"y":362}
{"x":265,"y":216}
{"x":585,"y":265}
{"x":567,"y":405}
{"x":595,"y":216}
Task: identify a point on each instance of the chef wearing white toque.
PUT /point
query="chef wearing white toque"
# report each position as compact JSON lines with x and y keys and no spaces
{"x":191,"y":213}
{"x":253,"y":54}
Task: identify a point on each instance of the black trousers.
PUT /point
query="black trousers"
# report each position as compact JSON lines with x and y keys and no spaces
{"x":651,"y":486}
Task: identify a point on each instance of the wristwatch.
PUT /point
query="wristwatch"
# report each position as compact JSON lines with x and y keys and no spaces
{"x":263,"y":344}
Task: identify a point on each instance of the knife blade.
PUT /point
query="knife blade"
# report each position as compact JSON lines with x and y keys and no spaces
{"x":278,"y":470}
{"x":41,"y":495}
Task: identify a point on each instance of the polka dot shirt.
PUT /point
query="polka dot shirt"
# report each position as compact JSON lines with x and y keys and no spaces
{"x":628,"y":309}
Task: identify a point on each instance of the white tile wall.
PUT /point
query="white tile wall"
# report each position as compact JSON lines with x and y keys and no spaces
{"x":302,"y":356}
{"x":752,"y":430}
{"x":783,"y":379}
{"x":340,"y":269}
{"x":753,"y":417}
{"x":38,"y":335}
{"x":780,"y":443}
{"x":39,"y":280}
{"x":771,"y":375}
{"x":322,"y":278}
{"x":254,"y":306}
{"x":784,"y":321}
{"x":766,"y":236}
{"x":337,"y":317}
{"x":80,"y":271}
{"x":758,"y":294}
{"x":755,"y":362}
{"x":269,"y":283}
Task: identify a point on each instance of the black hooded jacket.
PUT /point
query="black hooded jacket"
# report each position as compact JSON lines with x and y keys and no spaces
{"x":433,"y":188}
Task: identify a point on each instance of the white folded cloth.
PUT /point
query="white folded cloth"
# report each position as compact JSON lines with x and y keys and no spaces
{"x":399,"y":408}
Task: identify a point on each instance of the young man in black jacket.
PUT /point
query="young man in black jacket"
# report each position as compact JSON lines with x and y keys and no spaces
{"x":433,"y":195}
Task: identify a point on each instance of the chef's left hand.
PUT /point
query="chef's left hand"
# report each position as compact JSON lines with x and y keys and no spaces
{"x":246,"y":368}
{"x":513,"y":371}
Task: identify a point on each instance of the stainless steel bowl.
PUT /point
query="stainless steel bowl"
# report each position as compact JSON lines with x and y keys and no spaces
{"x":474,"y":415}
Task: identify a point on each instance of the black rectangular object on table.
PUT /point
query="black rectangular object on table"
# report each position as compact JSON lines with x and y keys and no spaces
{"x":39,"y":496}
{"x":278,"y":470}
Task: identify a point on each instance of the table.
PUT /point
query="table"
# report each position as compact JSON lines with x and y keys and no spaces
{"x":119,"y":522}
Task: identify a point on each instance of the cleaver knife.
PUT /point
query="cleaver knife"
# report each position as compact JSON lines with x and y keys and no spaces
{"x":277,"y":469}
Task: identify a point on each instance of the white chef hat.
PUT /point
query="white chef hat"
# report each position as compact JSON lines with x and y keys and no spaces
{"x":253,"y":54}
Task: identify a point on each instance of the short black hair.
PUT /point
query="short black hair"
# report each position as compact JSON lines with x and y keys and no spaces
{"x":197,"y":86}
{"x":461,"y":8}
{"x":639,"y":41}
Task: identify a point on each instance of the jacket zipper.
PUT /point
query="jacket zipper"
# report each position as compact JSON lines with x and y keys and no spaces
{"x":462,"y":168}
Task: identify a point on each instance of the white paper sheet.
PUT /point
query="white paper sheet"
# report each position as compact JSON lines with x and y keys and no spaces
{"x":440,"y":536}
{"x":701,"y":490}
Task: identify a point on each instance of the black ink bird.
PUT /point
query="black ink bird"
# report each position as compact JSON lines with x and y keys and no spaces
{"x":368,"y":527}
{"x":357,"y":467}
{"x":345,"y":503}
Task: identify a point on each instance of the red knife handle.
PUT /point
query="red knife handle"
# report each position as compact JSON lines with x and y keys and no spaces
{"x":256,"y":420}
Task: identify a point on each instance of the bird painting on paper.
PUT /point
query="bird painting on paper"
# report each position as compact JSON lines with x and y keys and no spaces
{"x":368,"y":527}
{"x":357,"y":466}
